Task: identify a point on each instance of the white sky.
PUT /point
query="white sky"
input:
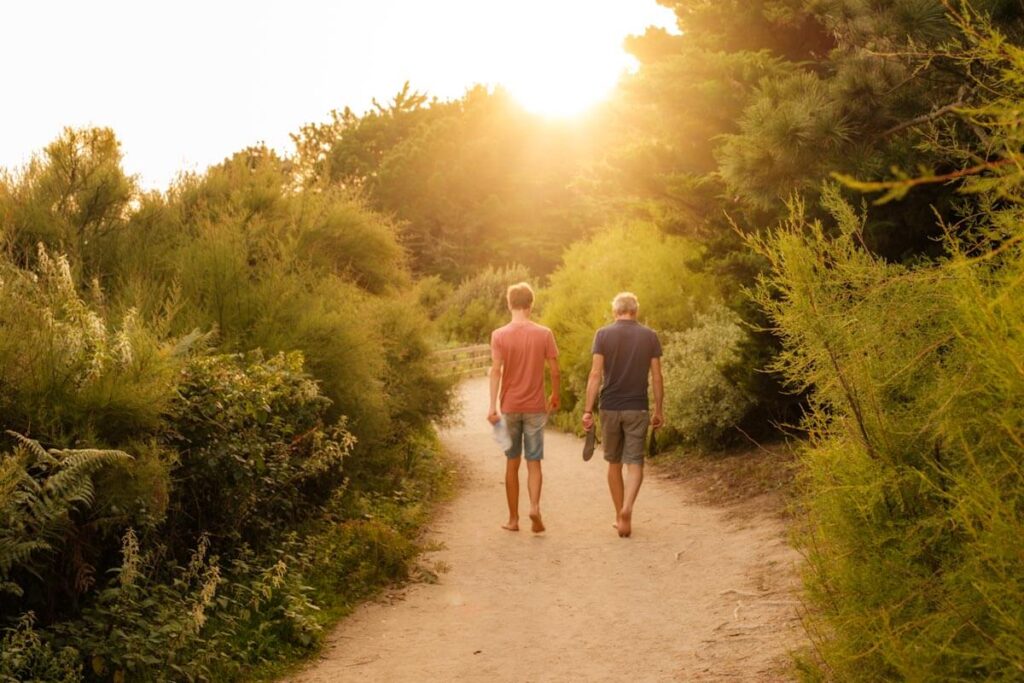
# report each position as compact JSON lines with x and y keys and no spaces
{"x":186,"y":83}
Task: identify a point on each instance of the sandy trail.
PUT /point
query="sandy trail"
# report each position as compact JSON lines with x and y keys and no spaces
{"x":694,"y":595}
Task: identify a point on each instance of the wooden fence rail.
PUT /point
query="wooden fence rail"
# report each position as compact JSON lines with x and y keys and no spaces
{"x":465,"y":361}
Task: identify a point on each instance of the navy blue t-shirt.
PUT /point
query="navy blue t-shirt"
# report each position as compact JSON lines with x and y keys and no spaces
{"x":627,"y":347}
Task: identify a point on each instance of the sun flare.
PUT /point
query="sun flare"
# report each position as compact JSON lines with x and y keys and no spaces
{"x":557,"y":58}
{"x":561,"y":93}
{"x":570,"y":53}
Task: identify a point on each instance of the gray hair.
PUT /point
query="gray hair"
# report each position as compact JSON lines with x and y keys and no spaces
{"x":625,"y":303}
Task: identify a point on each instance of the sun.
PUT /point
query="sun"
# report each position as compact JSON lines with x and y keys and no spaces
{"x":560,"y":92}
{"x":569,"y":54}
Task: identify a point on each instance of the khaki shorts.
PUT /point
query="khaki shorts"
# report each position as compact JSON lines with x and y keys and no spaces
{"x":625,"y":432}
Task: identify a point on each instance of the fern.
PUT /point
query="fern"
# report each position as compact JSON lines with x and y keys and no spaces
{"x":34,"y":448}
{"x":39,"y":489}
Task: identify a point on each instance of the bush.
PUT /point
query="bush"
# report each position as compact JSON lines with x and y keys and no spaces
{"x":912,"y":483}
{"x":478,"y":306}
{"x":69,"y":198}
{"x":234,"y":336}
{"x":341,"y":237}
{"x":636,"y":258}
{"x":356,"y":557}
{"x":255,"y":456}
{"x":430,"y":293}
{"x":702,"y":402}
{"x":206,"y":621}
{"x":70,"y":374}
{"x":25,"y":656}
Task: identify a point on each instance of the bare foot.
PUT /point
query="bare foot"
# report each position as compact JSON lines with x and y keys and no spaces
{"x":625,"y":523}
{"x":537,"y":524}
{"x":511,"y":525}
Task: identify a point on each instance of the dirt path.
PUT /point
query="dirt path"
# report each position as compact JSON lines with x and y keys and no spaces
{"x":693,"y":595}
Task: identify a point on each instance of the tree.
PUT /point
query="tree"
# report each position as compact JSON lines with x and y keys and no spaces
{"x":757,"y":101}
{"x":77,"y":192}
{"x":472,"y":182}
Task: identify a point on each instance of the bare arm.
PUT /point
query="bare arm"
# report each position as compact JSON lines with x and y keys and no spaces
{"x":497,"y":366}
{"x":593,"y":386}
{"x":556,"y":385}
{"x":659,"y":393}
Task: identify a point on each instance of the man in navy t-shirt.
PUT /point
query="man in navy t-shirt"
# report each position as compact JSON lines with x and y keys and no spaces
{"x":623,"y":355}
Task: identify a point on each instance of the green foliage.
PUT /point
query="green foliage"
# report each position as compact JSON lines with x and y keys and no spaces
{"x":254,"y":454}
{"x":902,"y":330}
{"x":217,"y":617}
{"x":25,"y":656}
{"x":672,"y":114}
{"x":414,"y":395}
{"x":69,"y":372}
{"x":478,"y":306}
{"x":72,"y":196}
{"x":349,"y":149}
{"x":240,"y":251}
{"x":149,"y":630}
{"x":703,"y":401}
{"x":636,"y":258}
{"x":39,"y":492}
{"x":474,"y":182}
{"x":789,"y":134}
{"x":754,"y":101}
{"x":344,"y":239}
{"x":431,"y":292}
{"x":136,"y":493}
{"x":785,"y":27}
{"x":246,"y":339}
{"x":911,"y":483}
{"x":358,"y":555}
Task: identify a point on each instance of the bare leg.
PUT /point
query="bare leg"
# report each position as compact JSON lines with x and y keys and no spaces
{"x":535,"y":478}
{"x":634,"y":477}
{"x":512,"y":493}
{"x":615,"y":485}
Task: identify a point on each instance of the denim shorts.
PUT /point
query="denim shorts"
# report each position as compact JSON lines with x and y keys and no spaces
{"x":527,"y":433}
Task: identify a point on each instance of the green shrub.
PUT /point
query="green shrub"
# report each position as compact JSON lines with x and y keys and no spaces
{"x":356,"y":557}
{"x":314,"y":272}
{"x":135,"y":493}
{"x":70,"y":374}
{"x":415,"y":395}
{"x":254,"y":455}
{"x":26,"y":656}
{"x":430,"y":293}
{"x":912,"y":483}
{"x":702,"y":401}
{"x":207,"y":621}
{"x":144,"y":629}
{"x":636,"y":258}
{"x":339,"y":236}
{"x":478,"y":306}
{"x":69,"y":198}
{"x":258,"y":351}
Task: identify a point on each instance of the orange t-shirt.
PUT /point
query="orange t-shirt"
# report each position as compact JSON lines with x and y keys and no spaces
{"x":522,"y":349}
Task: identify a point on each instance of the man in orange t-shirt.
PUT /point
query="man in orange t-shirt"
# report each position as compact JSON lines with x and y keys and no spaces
{"x":519,"y":351}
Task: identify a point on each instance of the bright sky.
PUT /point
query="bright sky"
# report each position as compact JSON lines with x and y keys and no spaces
{"x":186,"y":83}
